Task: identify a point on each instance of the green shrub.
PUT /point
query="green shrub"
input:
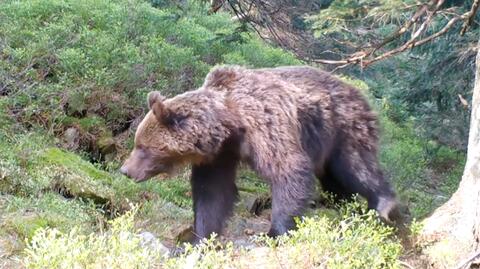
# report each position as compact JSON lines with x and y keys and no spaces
{"x":356,"y":239}
{"x":119,"y":248}
{"x":99,"y":59}
{"x":23,"y":216}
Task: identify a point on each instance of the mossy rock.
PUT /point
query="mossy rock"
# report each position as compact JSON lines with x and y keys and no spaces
{"x":72,"y":185}
{"x":79,"y":178}
{"x":74,"y":163}
{"x":76,"y":177}
{"x":106,"y":145}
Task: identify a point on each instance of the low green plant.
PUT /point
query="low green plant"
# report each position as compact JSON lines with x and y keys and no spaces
{"x":118,"y":248}
{"x":355,"y":239}
{"x":23,"y":216}
{"x":423,"y":175}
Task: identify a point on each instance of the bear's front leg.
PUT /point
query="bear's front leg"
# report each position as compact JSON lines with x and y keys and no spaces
{"x":290,"y":195}
{"x":214,"y":193}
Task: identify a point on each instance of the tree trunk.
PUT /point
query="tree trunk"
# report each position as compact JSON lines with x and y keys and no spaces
{"x":453,"y":230}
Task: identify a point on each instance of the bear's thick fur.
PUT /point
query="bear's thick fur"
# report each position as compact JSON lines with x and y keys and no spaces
{"x":290,"y":124}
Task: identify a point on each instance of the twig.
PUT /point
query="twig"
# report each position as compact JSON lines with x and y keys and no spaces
{"x":467,"y":261}
{"x":418,"y":32}
{"x":406,"y":26}
{"x":339,"y":67}
{"x":240,"y":15}
{"x":216,"y":5}
{"x":470,"y":16}
{"x":410,"y":45}
{"x":365,"y":57}
{"x":364,"y":62}
{"x":406,"y":265}
{"x":426,"y":23}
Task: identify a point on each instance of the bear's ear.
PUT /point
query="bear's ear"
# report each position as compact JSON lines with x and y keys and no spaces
{"x":154,"y":97}
{"x":155,"y":103}
{"x":222,"y":77}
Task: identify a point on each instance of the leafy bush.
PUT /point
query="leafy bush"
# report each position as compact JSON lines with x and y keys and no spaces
{"x":119,"y":248}
{"x":424,"y":173}
{"x":355,"y":239}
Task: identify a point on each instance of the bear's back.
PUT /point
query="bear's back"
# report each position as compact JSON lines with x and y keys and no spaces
{"x":343,"y":107}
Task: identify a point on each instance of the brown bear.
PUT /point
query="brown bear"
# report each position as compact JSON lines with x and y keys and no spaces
{"x":289,"y":124}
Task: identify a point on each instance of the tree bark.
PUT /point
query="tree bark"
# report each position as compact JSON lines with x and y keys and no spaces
{"x":453,"y":230}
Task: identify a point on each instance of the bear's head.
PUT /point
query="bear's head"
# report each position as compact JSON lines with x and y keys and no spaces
{"x":188,"y":128}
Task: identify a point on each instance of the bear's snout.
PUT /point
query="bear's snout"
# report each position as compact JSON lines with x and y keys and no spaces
{"x":142,"y":165}
{"x":136,"y":176}
{"x":124,"y":170}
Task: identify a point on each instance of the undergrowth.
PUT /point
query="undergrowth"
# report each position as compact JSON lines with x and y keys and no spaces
{"x":355,"y":239}
{"x":117,"y":248}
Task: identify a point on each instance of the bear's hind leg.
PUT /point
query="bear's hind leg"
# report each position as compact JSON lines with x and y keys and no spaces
{"x":332,"y":185}
{"x":214,"y":193}
{"x":359,"y":172}
{"x":290,"y":195}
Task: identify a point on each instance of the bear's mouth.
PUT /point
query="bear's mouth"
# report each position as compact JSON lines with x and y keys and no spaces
{"x":139,"y":180}
{"x":160,"y":176}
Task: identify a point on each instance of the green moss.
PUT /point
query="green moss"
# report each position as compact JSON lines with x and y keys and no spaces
{"x":83,"y":179}
{"x":87,"y":124}
{"x":176,"y":190}
{"x":74,"y":163}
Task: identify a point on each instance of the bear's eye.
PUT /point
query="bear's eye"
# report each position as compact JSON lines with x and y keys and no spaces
{"x":173,"y":120}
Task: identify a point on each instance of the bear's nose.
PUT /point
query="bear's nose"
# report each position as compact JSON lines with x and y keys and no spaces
{"x":124,"y":170}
